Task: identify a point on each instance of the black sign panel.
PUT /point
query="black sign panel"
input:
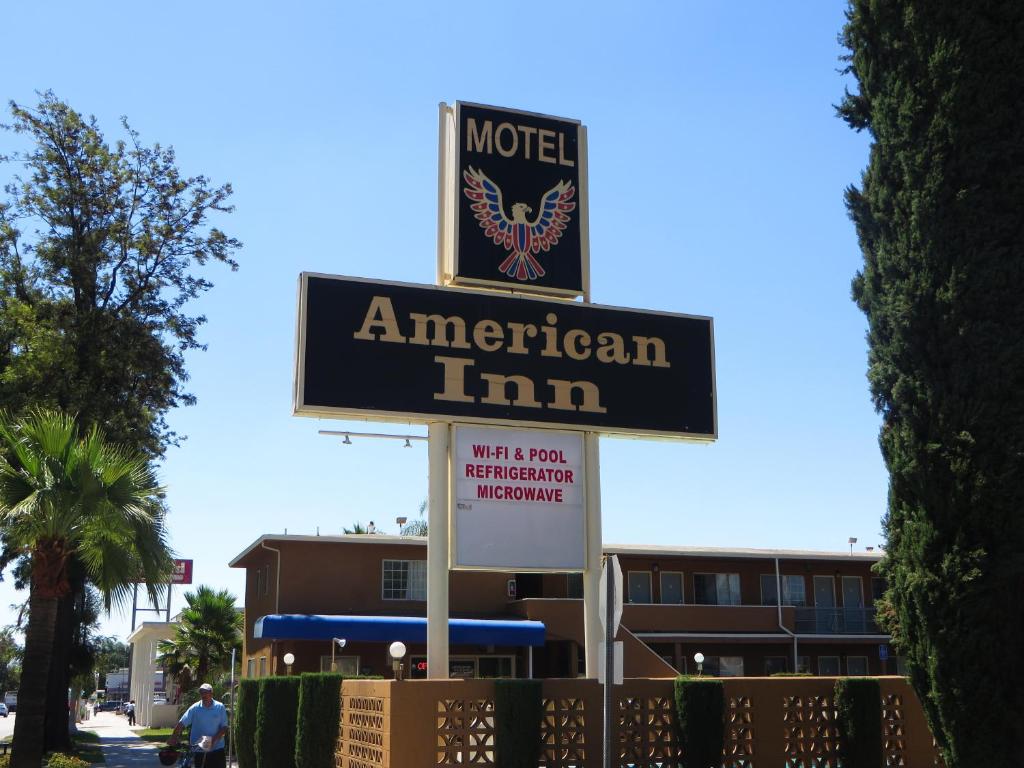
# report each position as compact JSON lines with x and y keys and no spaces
{"x":417,"y":353}
{"x":519,"y":200}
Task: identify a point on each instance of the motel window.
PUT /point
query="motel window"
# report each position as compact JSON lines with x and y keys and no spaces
{"x":793,"y":590}
{"x":263,"y":581}
{"x":250,"y":668}
{"x":828,"y":666}
{"x":671,"y":587}
{"x":773,"y":665}
{"x":803,"y":665}
{"x":639,"y":586}
{"x":716,"y":588}
{"x":574,"y":586}
{"x":404,"y":580}
{"x":346,"y":665}
{"x":723,"y":666}
{"x":857,"y":666}
{"x":263,"y":666}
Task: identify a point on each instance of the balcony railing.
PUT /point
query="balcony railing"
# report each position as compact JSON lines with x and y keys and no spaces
{"x":836,"y":621}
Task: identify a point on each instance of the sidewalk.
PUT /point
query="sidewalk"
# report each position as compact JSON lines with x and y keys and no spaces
{"x":121,"y":747}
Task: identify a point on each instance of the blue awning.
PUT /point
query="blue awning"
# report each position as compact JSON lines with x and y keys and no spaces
{"x":386,"y":629}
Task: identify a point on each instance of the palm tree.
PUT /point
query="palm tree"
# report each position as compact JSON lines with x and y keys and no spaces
{"x":209,"y":627}
{"x":64,"y":496}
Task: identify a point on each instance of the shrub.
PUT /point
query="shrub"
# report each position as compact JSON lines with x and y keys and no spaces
{"x":859,"y":717}
{"x":59,"y":760}
{"x":318,"y":719}
{"x":517,"y":713}
{"x":700,"y":714}
{"x":245,"y":721}
{"x":5,"y":761}
{"x":276,"y":711}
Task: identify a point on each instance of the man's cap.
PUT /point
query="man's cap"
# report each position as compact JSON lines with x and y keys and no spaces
{"x":206,"y":687}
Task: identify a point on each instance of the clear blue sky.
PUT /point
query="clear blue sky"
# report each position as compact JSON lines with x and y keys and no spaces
{"x":717,"y":171}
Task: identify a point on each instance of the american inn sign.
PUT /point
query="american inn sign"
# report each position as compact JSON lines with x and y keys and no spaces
{"x":371,"y":349}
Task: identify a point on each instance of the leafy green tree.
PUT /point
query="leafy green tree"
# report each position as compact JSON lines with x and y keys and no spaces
{"x":64,"y":496}
{"x":417,"y":527}
{"x":210,"y":627}
{"x":98,"y":249}
{"x":941,"y":226}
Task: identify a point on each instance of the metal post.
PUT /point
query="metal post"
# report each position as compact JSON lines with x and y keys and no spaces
{"x":439,"y":436}
{"x":170,"y":586}
{"x":231,"y":736}
{"x":592,"y":573}
{"x":135,"y":603}
{"x":609,"y":662}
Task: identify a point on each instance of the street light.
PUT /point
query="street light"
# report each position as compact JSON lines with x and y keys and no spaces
{"x":340,"y":643}
{"x":397,"y":651}
{"x":699,"y":658}
{"x":289,"y":659}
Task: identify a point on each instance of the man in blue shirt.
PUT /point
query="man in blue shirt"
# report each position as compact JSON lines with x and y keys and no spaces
{"x":208,"y":720}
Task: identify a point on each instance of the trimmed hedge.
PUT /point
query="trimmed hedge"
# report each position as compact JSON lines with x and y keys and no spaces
{"x":859,"y":717}
{"x":318,"y":719}
{"x":276,"y":712}
{"x":700,"y":715}
{"x":517,"y":713}
{"x":245,"y":721}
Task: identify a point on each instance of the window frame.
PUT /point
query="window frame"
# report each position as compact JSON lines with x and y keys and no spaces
{"x":718,"y":597}
{"x":408,"y":580}
{"x":325,"y":662}
{"x":682,"y":587}
{"x":629,"y":588}
{"x":839,"y":667}
{"x":867,"y":667}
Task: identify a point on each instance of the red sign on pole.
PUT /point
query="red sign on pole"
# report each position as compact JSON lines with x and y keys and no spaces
{"x":182,"y":573}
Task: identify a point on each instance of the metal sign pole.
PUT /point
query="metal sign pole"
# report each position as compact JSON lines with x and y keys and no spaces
{"x":592,"y":632}
{"x":609,"y":661}
{"x":439,"y":434}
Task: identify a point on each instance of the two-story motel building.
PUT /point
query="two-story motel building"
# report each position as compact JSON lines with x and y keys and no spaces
{"x":370,"y":590}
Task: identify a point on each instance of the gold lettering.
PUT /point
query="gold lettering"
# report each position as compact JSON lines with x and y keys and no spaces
{"x":454,"y":379}
{"x":488,"y":335}
{"x":441,"y":325}
{"x":480,"y":138}
{"x":612,"y":349}
{"x":497,"y":390}
{"x":545,"y":145}
{"x":380,"y":314}
{"x":573,"y":340}
{"x":527,"y":132}
{"x":509,"y":129}
{"x":644,"y":345}
{"x":563,"y":396}
{"x":550,"y":337}
{"x":562,"y":160}
{"x":518,"y":330}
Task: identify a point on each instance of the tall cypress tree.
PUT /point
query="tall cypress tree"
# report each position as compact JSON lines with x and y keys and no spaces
{"x":940,"y":217}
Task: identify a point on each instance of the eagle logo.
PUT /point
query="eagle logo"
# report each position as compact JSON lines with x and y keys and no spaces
{"x":520,"y":236}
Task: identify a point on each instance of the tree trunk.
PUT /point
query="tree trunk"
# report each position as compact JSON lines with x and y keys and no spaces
{"x":28,"y":725}
{"x":56,"y":736}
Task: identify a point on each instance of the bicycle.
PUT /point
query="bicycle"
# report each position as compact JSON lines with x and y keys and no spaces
{"x":182,"y":757}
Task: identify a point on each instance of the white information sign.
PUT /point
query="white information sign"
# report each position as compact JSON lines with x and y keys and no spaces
{"x":518,"y":500}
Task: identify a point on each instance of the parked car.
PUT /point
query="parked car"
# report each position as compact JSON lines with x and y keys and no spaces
{"x":108,"y":706}
{"x":3,"y":709}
